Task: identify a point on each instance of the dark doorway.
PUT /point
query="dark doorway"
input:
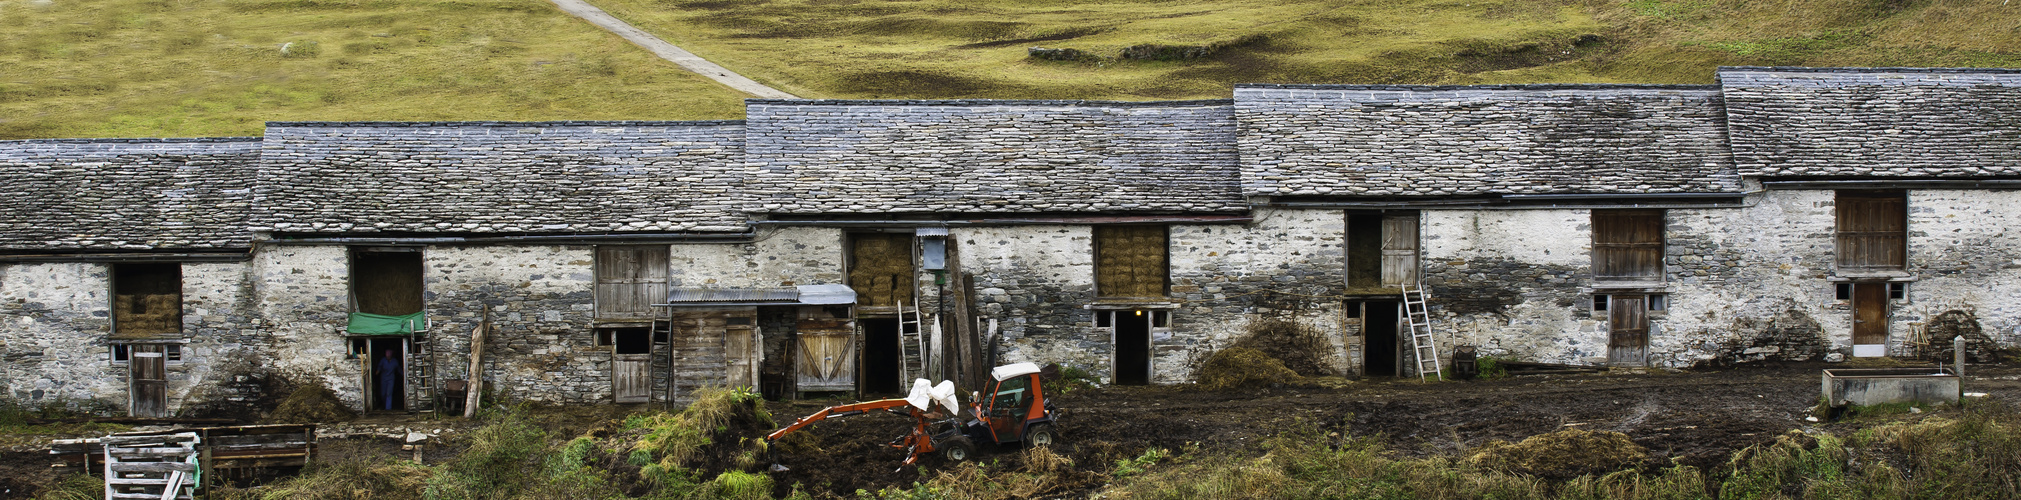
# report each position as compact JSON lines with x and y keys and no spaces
{"x":1133,"y":347}
{"x":377,"y":392}
{"x":880,"y":357}
{"x":1380,"y":349}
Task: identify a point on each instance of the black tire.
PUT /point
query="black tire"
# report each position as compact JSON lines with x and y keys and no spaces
{"x":956,"y":449}
{"x":1040,"y":435}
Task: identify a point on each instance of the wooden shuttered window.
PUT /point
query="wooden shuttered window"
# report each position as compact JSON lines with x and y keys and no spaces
{"x":1399,"y":250}
{"x":1628,"y":245}
{"x":629,"y":280}
{"x":1130,"y":261}
{"x":1873,"y":230}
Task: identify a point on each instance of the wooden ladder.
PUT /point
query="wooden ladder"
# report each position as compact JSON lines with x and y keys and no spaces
{"x":912,"y":350}
{"x":420,"y":373}
{"x":1423,"y":347}
{"x":151,"y":467}
{"x":663,"y":357}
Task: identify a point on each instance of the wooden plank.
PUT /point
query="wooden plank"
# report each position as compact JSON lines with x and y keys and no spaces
{"x":118,"y":467}
{"x":118,"y":440}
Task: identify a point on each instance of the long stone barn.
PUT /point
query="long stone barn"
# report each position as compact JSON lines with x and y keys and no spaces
{"x":825,"y":245}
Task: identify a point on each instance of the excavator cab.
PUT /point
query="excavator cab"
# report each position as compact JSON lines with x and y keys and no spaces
{"x":1014,"y":409}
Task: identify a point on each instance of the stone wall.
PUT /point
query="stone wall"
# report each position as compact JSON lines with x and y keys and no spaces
{"x":302,"y":303}
{"x":1966,"y":255}
{"x":541,"y":307}
{"x":1511,"y":282}
{"x":1034,"y":280}
{"x":1287,"y":264}
{"x":57,"y":319}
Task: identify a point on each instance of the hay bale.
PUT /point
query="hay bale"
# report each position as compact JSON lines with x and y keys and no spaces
{"x":1561,"y":455}
{"x":1301,"y":348}
{"x":1243,"y":367}
{"x":311,"y":403}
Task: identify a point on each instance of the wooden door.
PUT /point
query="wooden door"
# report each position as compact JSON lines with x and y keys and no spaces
{"x":1399,"y":250}
{"x":1628,"y":245}
{"x":147,"y":374}
{"x":740,"y":351}
{"x":1872,"y":230}
{"x":825,"y":357}
{"x":1628,"y":330}
{"x":1870,"y":318}
{"x":631,"y":365}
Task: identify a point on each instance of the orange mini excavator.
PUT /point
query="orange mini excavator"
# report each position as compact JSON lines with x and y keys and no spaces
{"x":1017,"y":411}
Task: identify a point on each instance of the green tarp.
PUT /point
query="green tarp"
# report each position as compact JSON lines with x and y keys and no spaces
{"x":376,"y":324}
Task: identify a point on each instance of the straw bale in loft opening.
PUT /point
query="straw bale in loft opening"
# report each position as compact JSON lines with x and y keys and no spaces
{"x":146,"y":314}
{"x":1130,"y":261}
{"x":881,"y":271}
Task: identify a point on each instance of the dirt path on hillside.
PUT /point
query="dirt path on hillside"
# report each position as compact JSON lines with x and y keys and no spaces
{"x":684,"y":59}
{"x":1696,"y":418}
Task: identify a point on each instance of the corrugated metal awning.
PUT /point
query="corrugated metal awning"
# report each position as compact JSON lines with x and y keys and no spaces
{"x":800,"y":295}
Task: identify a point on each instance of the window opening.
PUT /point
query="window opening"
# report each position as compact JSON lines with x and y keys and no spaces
{"x":173,"y":352}
{"x":121,"y":354}
{"x":1105,"y":319}
{"x":1130,"y":261}
{"x":604,"y":338}
{"x":1842,"y":292}
{"x":386,"y":281}
{"x":1659,"y":302}
{"x":1599,"y":302}
{"x":1898,"y":291}
{"x":147,"y":298}
{"x":1161,"y":319}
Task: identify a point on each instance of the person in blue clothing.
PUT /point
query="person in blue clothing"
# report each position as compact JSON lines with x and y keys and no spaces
{"x":389,"y":376}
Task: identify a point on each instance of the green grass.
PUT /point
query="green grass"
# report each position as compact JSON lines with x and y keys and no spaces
{"x":168,"y":68}
{"x":139,"y":68}
{"x":977,"y":48}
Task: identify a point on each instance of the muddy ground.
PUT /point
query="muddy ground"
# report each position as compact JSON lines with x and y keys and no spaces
{"x":1697,"y":418}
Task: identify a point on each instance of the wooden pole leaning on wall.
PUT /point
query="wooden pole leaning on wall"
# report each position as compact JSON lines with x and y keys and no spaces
{"x":474,"y":389}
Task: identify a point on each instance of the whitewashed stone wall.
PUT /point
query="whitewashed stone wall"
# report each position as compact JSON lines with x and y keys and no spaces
{"x":302,"y":301}
{"x":57,"y":317}
{"x":1035,"y":280}
{"x":1965,"y":250}
{"x":1509,"y":282}
{"x":1287,"y":264}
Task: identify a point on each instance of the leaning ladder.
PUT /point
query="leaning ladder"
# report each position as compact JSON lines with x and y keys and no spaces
{"x":912,"y":354}
{"x":1422,"y":346}
{"x":663,"y":355}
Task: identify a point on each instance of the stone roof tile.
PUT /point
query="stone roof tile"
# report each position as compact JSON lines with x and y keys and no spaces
{"x":126,"y":194}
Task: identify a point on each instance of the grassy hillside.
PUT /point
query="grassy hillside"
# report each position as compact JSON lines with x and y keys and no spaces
{"x":1197,"y":48}
{"x":99,"y":68}
{"x":153,"y":68}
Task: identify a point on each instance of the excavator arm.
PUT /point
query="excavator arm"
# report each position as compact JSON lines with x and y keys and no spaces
{"x":837,"y":411}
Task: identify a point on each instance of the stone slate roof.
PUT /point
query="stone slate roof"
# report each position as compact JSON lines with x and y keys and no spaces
{"x":126,"y":194}
{"x":501,"y":177}
{"x":1874,"y":122}
{"x":982,"y":156}
{"x":1429,"y":141}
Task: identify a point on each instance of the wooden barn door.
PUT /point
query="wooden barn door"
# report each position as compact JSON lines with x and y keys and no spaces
{"x":631,"y":365}
{"x":826,"y":355}
{"x":741,"y":351}
{"x":1399,"y":250}
{"x":1870,"y":319}
{"x":148,"y":378}
{"x":1628,"y":330}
